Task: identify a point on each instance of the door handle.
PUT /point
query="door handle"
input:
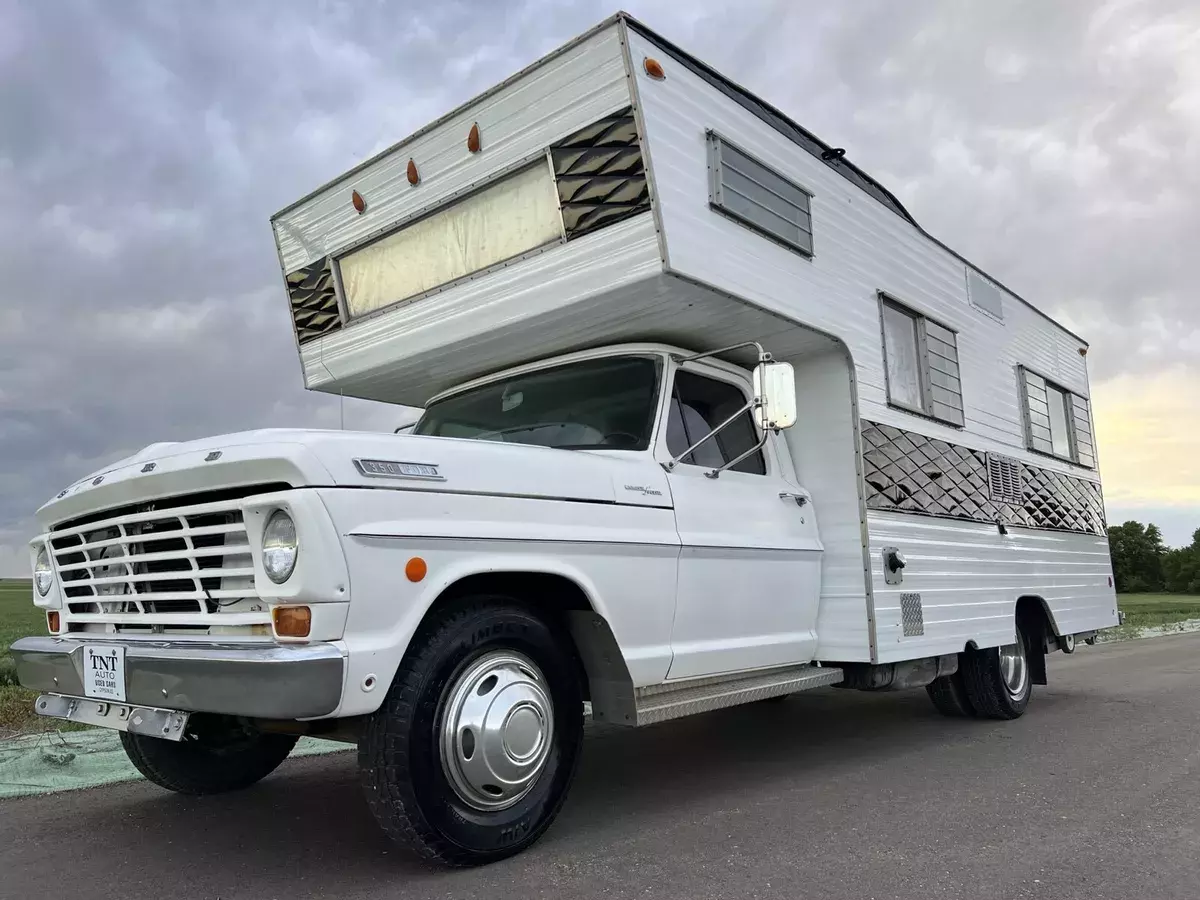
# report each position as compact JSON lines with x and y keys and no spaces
{"x":789,"y":495}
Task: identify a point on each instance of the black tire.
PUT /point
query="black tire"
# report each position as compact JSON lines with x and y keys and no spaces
{"x":216,"y":755}
{"x":986,"y":688}
{"x":399,"y":756}
{"x":949,"y":695}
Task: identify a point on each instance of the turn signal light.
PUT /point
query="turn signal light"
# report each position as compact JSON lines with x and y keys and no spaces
{"x":52,"y":621}
{"x":415,"y":569}
{"x":292,"y":621}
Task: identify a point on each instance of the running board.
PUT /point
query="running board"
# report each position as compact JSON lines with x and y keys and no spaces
{"x":672,"y":700}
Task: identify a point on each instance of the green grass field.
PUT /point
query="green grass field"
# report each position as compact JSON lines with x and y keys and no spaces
{"x":1147,"y":610}
{"x":18,"y":618}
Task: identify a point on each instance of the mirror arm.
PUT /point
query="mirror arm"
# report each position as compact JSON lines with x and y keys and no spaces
{"x":733,"y":462}
{"x":763,"y":355}
{"x":752,"y":404}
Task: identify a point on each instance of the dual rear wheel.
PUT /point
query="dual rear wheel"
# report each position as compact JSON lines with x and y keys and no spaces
{"x":994,"y":683}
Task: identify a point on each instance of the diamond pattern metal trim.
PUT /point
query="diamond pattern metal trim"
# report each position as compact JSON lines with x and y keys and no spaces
{"x":909,"y":472}
{"x":912,"y":615}
{"x":314,"y":300}
{"x":600,"y":174}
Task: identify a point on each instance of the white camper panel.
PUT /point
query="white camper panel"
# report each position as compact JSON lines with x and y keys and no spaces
{"x":860,"y":248}
{"x":387,"y":345}
{"x":968,"y":576}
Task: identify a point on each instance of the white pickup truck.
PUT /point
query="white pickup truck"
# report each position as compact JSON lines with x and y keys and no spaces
{"x":698,"y":433}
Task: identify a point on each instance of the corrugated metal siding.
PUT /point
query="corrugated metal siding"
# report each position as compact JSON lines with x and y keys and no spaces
{"x":568,"y":92}
{"x":861,"y":248}
{"x":969,"y":577}
{"x":822,"y":448}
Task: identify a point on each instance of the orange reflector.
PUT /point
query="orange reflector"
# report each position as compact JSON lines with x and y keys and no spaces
{"x":359,"y":203}
{"x":413,"y":177}
{"x":415,"y":569}
{"x":52,"y":621}
{"x":292,"y":621}
{"x":473,"y":143}
{"x":653,"y":68}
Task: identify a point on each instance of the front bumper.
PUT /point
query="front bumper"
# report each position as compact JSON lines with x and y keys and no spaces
{"x":298,"y":681}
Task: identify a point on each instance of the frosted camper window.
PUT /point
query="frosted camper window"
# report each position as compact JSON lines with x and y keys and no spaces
{"x":921,"y":363}
{"x":1057,"y":422}
{"x":504,"y":220}
{"x":758,"y":197}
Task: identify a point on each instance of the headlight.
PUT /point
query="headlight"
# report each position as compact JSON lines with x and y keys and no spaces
{"x":279,"y":547}
{"x":43,"y":574}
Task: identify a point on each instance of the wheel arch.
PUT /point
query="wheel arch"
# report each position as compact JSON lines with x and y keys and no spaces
{"x":563,"y":596}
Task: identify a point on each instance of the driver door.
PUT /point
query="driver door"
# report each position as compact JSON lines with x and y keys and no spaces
{"x":750,"y":561}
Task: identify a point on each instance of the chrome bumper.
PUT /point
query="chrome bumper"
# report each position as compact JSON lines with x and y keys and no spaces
{"x":268,"y":682}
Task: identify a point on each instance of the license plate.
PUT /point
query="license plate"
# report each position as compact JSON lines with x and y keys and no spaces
{"x":104,"y":672}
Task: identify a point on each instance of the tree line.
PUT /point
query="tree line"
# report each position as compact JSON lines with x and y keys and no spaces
{"x":1142,"y":563}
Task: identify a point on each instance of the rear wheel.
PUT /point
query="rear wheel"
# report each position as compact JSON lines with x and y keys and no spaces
{"x":997,"y":680}
{"x":949,"y":695}
{"x":217,"y":754}
{"x":470,"y":757}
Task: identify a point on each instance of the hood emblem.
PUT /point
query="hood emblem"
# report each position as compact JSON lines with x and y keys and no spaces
{"x":213,"y":456}
{"x":387,"y":468}
{"x":97,"y":480}
{"x":148,"y":467}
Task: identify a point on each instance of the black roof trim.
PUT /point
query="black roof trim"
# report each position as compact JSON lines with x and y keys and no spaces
{"x":777,"y":120}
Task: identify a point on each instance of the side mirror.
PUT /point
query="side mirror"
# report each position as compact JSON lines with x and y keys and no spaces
{"x":775,"y":388}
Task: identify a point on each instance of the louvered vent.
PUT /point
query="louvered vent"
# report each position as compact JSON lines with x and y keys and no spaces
{"x":314,"y":300}
{"x":1005,"y":480}
{"x":600,"y":174}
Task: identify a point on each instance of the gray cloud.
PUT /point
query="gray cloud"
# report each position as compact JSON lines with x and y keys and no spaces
{"x":145,"y":146}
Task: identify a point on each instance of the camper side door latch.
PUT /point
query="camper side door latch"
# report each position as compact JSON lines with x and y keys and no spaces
{"x":893,"y":565}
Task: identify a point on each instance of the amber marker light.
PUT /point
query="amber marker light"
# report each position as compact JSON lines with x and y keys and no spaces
{"x":653,"y":68}
{"x":413,"y":177}
{"x":52,"y":621}
{"x":473,"y":143}
{"x":292,"y":621}
{"x":359,"y":203}
{"x":415,"y":569}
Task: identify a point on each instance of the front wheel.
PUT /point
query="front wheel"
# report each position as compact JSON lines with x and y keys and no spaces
{"x":470,"y":756}
{"x":217,"y":754}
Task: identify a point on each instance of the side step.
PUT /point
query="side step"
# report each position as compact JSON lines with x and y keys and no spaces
{"x":672,"y":700}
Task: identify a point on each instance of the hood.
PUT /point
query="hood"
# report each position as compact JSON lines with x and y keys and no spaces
{"x":312,"y":458}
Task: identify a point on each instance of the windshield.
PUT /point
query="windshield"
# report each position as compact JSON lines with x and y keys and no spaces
{"x":597,"y":404}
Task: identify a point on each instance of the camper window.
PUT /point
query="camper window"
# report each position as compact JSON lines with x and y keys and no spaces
{"x":698,"y":405}
{"x":1057,"y":422}
{"x":921,"y":364}
{"x":758,"y":197}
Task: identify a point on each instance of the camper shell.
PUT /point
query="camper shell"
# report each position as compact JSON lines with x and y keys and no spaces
{"x":629,"y":134}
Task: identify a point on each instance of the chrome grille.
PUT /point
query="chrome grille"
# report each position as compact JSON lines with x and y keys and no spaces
{"x":189,"y":559}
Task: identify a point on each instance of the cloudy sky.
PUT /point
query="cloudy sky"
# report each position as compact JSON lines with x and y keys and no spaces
{"x":143,"y":147}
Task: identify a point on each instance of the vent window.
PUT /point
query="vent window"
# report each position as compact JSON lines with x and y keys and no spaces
{"x":1057,"y":421}
{"x":921,"y":363}
{"x":1006,"y":480}
{"x":759,"y":197}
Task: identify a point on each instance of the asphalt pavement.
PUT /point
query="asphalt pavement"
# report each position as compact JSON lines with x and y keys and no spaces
{"x":832,"y":794}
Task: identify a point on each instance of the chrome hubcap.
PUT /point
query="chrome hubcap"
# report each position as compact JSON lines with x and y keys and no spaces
{"x":1013,"y":668}
{"x":497,"y":730}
